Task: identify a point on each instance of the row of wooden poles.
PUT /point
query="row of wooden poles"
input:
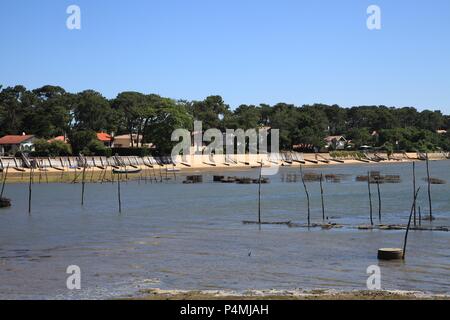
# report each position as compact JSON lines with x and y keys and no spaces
{"x":119,"y":178}
{"x":415,"y":195}
{"x":153,"y":178}
{"x":416,"y":190}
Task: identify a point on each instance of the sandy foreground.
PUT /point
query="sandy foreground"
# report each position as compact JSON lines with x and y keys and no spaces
{"x":157,"y":294}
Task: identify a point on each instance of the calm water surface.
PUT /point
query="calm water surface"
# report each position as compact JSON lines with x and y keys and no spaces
{"x":176,"y":236}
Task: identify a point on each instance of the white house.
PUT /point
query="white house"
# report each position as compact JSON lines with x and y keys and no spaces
{"x":11,"y":144}
{"x":335,"y":142}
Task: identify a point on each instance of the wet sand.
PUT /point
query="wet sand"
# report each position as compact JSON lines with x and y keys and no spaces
{"x":287,"y":295}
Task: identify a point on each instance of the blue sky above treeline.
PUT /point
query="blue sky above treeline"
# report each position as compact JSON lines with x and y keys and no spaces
{"x":249,"y":52}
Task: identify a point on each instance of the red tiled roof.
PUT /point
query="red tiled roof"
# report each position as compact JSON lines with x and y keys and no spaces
{"x":58,"y":138}
{"x":104,"y":137}
{"x":15,"y":139}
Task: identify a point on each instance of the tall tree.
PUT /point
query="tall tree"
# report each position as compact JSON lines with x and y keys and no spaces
{"x":15,"y":103}
{"x":212,"y":111}
{"x":136,"y":109}
{"x":91,"y":111}
{"x":169,"y":116}
{"x":50,"y":116}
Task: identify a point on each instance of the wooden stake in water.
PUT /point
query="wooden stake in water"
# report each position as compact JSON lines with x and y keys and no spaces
{"x":321,"y":195}
{"x":118,"y":192}
{"x":307,"y":196}
{"x":429,"y":189}
{"x":414,"y":190}
{"x":370,"y":199}
{"x":420,"y":216}
{"x":379,"y":200}
{"x":409,"y":223}
{"x":259,"y":195}
{"x":83,"y":182}
{"x":29,"y":190}
{"x":4,"y":181}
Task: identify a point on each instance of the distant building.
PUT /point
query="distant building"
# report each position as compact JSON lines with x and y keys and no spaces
{"x":124,"y":141}
{"x":441,"y":131}
{"x":58,"y":138}
{"x":105,"y":138}
{"x":12,"y":144}
{"x":335,"y":142}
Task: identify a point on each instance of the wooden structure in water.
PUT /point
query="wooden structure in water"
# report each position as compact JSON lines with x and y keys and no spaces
{"x":5,"y":202}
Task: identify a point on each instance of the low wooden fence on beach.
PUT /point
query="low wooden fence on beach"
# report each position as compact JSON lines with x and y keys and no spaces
{"x":284,"y":158}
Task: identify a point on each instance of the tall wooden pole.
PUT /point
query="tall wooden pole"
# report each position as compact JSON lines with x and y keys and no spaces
{"x":321,"y":195}
{"x":259,"y":195}
{"x":429,"y":189}
{"x":83,"y":182}
{"x":420,"y":216}
{"x":29,"y":190}
{"x":414,"y":191}
{"x":379,"y":200}
{"x":409,"y":223}
{"x":370,"y":198}
{"x":4,"y":181}
{"x":307,"y":196}
{"x":118,"y":192}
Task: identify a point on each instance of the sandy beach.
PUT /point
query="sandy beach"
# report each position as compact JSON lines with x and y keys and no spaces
{"x":195,"y":164}
{"x":158,"y":294}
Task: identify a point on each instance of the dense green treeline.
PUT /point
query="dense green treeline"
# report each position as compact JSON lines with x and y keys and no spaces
{"x":51,"y":111}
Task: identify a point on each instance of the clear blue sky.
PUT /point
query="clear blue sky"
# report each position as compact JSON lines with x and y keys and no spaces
{"x":248,"y":51}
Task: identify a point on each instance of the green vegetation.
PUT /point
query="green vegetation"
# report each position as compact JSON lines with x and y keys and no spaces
{"x":44,"y":148}
{"x":50,"y":111}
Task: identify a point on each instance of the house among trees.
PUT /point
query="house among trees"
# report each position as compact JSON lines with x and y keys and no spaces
{"x":11,"y":144}
{"x":130,"y":141}
{"x":335,"y":142}
{"x":105,"y":138}
{"x":59,"y":138}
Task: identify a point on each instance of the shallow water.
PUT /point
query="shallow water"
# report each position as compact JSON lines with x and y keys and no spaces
{"x":176,"y":236}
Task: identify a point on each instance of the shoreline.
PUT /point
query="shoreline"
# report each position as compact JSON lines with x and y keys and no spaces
{"x":255,"y":295}
{"x":95,"y":174}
